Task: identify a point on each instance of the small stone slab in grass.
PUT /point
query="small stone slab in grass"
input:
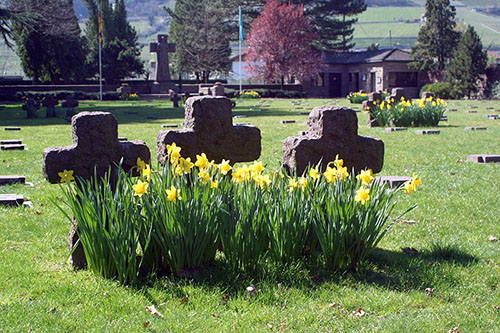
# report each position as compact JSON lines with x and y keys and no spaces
{"x":302,"y":133}
{"x":13,"y":147}
{"x":453,"y":110}
{"x":287,"y":121}
{"x":122,"y":139}
{"x":242,"y":124}
{"x":11,"y":142}
{"x":170,"y":126}
{"x":483,"y":158}
{"x":395,"y":129}
{"x":266,"y":106}
{"x":475,"y":128}
{"x":304,"y":113}
{"x":489,"y":108}
{"x":12,"y":128}
{"x":471,"y":111}
{"x":393,"y":181}
{"x":239,"y":116}
{"x":157,"y":118}
{"x":131,"y":112}
{"x":9,"y":180}
{"x":11,"y":200}
{"x":443,"y":119}
{"x":492,"y":116}
{"x":425,"y":132}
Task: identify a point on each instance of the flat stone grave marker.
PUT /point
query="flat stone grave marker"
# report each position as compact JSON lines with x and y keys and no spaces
{"x":122,"y":139}
{"x":424,"y":132}
{"x":333,"y":131}
{"x":483,"y":158}
{"x":475,"y":128}
{"x":492,"y":116}
{"x":395,"y":129}
{"x":170,"y":126}
{"x":489,"y":108}
{"x":12,"y":128}
{"x":95,"y":148}
{"x":443,"y":119}
{"x":9,"y":180}
{"x":242,"y":124}
{"x":287,"y":121}
{"x":471,"y":111}
{"x":156,"y":118}
{"x":393,"y":181}
{"x":453,"y":110}
{"x":304,"y":113}
{"x":131,"y":112}
{"x":239,"y":116}
{"x":208,"y":128}
{"x":11,"y":200}
{"x":11,"y":142}
{"x":302,"y":133}
{"x":13,"y":147}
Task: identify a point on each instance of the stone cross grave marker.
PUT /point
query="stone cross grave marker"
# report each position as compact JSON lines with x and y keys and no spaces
{"x":369,"y":105}
{"x":208,"y":128}
{"x":50,"y":104}
{"x":95,"y":146}
{"x":332,"y":131}
{"x":162,"y":75}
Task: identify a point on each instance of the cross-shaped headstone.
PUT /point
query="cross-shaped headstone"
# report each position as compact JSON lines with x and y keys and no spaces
{"x":50,"y":104}
{"x":162,"y":48}
{"x":333,"y":131}
{"x":208,"y":128}
{"x":95,"y":147}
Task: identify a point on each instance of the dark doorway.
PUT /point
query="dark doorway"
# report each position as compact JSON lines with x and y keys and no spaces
{"x":356,"y":81}
{"x":372,"y":82}
{"x":335,"y":85}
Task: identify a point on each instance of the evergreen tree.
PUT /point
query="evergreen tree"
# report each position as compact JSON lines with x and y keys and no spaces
{"x":200,"y":29}
{"x":437,"y":38}
{"x":469,"y":61}
{"x":120,"y":48}
{"x":51,"y":50}
{"x":8,"y":17}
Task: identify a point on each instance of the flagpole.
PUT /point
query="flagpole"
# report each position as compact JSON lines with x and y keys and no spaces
{"x":241,"y":35}
{"x":100,"y":70}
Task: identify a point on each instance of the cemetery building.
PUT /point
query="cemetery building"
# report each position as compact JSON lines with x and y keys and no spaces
{"x":370,"y":71}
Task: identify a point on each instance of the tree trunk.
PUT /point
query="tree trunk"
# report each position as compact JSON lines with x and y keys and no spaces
{"x":180,"y":82}
{"x":282,"y":82}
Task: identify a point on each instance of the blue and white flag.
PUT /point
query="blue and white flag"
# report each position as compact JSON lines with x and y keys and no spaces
{"x":241,"y":24}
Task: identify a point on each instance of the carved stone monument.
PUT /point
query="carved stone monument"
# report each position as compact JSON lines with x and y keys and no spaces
{"x":50,"y":104}
{"x":333,"y":131}
{"x":163,"y":82}
{"x":95,"y":147}
{"x":208,"y":128}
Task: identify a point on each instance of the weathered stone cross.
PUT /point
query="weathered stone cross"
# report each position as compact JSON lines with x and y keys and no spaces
{"x":333,"y":131}
{"x":95,"y":147}
{"x":208,"y":128}
{"x":162,"y":48}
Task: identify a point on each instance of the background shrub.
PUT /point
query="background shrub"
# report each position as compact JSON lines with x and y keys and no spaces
{"x":440,"y":89}
{"x":495,"y":90}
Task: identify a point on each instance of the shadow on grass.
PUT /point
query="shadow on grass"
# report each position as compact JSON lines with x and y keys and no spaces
{"x":392,"y":270}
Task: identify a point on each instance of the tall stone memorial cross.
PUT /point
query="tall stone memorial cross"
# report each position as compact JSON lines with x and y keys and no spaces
{"x":162,"y":49}
{"x":95,"y":147}
{"x":208,"y":128}
{"x":333,"y":131}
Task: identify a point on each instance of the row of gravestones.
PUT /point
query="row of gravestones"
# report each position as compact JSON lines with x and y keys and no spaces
{"x":31,"y":106}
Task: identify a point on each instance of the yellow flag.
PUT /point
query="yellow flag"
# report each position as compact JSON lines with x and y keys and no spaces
{"x":101,"y":26}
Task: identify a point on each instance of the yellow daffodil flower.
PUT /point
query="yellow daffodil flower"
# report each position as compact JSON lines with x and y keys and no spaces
{"x":330,"y":175}
{"x":224,"y":167}
{"x":264,"y":181}
{"x":140,"y":188}
{"x":66,"y":176}
{"x":314,"y":173}
{"x":303,"y":182}
{"x":141,"y":165}
{"x":214,"y":184}
{"x":202,"y":161}
{"x":366,"y":176}
{"x":257,"y":168}
{"x":186,"y":165}
{"x":174,"y":194}
{"x":342,"y":173}
{"x":174,"y":152}
{"x":362,"y":195}
{"x":293,"y":184}
{"x":204,"y":176}
{"x":146,"y":172}
{"x":338,"y":162}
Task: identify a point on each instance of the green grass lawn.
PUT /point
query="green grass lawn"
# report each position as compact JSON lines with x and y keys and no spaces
{"x":458,"y":210}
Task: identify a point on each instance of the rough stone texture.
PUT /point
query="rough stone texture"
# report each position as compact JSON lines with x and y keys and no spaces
{"x":70,"y":103}
{"x":95,"y":146}
{"x":11,"y":200}
{"x":393,"y":181}
{"x":9,"y":180}
{"x":218,"y":90}
{"x":474,"y":128}
{"x":208,"y":128}
{"x":77,"y":258}
{"x":124,"y":90}
{"x":333,"y":131}
{"x":427,"y":94}
{"x":370,"y":105}
{"x":31,"y":106}
{"x":483,"y":158}
{"x":424,"y":132}
{"x":397,"y":93}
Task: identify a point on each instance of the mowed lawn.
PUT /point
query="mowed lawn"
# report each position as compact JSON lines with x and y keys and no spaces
{"x":458,"y":210}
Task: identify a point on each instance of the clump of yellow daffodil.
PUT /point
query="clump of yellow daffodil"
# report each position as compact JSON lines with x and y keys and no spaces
{"x":140,"y":188}
{"x":366,"y":177}
{"x":173,"y":194}
{"x":362,"y":195}
{"x":224,"y":167}
{"x":412,"y":185}
{"x":202,"y":161}
{"x":174,"y":152}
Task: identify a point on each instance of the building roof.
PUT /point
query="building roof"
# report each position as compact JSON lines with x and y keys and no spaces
{"x":387,"y":55}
